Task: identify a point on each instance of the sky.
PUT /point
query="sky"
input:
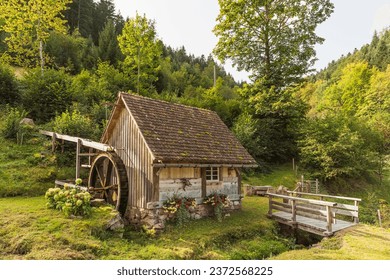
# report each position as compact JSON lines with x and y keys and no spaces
{"x":189,"y":23}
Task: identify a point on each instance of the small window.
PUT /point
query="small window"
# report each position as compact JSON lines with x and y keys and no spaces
{"x":212,"y":174}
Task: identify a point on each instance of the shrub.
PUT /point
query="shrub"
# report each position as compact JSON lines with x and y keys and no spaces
{"x":70,"y":201}
{"x":219,"y":201}
{"x":11,"y":127}
{"x":9,"y":90}
{"x":46,"y":94}
{"x":179,"y":208}
{"x":75,"y":124}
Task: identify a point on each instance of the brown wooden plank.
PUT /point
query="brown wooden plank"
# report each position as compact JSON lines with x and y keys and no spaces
{"x":239,"y":177}
{"x":325,"y":195}
{"x":204,"y":183}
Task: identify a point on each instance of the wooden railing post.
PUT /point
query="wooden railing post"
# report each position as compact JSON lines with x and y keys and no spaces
{"x":270,"y":206}
{"x":329,"y":219}
{"x":78,"y":159}
{"x":293,"y":210}
{"x":356,"y":219}
{"x":53,"y":143}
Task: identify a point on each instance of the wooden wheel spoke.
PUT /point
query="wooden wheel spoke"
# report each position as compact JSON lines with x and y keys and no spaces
{"x":107,"y":179}
{"x":99,"y":175}
{"x":111,"y":187}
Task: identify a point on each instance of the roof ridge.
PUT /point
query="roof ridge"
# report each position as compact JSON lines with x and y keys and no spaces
{"x":123,"y":93}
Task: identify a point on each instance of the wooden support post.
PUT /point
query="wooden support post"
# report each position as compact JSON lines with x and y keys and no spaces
{"x":203,"y":176}
{"x":53,"y":143}
{"x":293,"y":162}
{"x":156,"y":184}
{"x":78,"y":165}
{"x":329,"y":219}
{"x":379,"y":218}
{"x":317,"y":186}
{"x":270,"y":206}
{"x":293,"y":210}
{"x":62,"y":146}
{"x":238,"y":173}
{"x":90,"y":151}
{"x":356,"y":219}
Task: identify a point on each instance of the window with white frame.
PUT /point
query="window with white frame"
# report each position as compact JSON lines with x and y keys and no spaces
{"x":212,"y":174}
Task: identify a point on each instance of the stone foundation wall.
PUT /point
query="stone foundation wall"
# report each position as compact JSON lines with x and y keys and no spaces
{"x":154,"y":217}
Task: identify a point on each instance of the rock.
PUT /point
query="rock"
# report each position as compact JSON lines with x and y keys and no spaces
{"x":144,"y":214}
{"x":97,"y":202}
{"x":27,"y":121}
{"x":162,"y":217}
{"x":282,"y":190}
{"x":197,"y":216}
{"x":159,"y":226}
{"x":149,"y":222}
{"x":115,"y":223}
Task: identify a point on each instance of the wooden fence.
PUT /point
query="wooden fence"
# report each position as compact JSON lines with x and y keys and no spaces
{"x":319,"y":216}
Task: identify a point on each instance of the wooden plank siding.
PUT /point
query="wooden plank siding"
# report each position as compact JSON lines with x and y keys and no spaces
{"x":129,"y":144}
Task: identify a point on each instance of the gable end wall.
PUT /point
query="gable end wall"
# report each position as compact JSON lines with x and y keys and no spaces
{"x":126,"y":138}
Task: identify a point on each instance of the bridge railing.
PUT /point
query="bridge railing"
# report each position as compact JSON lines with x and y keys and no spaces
{"x":346,"y":206}
{"x":312,"y":208}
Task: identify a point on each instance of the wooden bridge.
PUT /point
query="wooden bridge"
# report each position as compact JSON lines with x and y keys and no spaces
{"x":316,"y":213}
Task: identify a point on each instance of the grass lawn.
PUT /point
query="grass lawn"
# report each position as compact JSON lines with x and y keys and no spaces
{"x":362,"y":242}
{"x":31,"y":231}
{"x":280,"y":175}
{"x":28,"y":230}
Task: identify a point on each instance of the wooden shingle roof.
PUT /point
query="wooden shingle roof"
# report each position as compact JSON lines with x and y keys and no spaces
{"x":177,"y":133}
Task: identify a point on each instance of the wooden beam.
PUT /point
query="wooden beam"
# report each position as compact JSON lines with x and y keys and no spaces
{"x":53,"y":143}
{"x":329,"y":219}
{"x":325,"y":195}
{"x":71,"y":185}
{"x":293,"y":210}
{"x":204,"y":183}
{"x":312,"y":201}
{"x":238,"y":172}
{"x":78,"y":165}
{"x":156,"y":184}
{"x":84,"y":142}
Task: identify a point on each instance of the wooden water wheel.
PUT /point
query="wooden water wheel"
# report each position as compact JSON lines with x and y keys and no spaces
{"x":108,"y":180}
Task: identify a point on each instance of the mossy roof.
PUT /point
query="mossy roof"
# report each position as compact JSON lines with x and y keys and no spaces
{"x":178,"y":133}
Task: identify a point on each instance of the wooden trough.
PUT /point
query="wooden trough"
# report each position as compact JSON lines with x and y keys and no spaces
{"x":312,"y":213}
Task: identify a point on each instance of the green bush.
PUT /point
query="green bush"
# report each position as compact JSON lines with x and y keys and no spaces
{"x":11,"y":126}
{"x":75,"y":124}
{"x":178,"y":208}
{"x":258,"y":249}
{"x":70,"y":201}
{"x":219,"y":201}
{"x":46,"y":94}
{"x":9,"y":90}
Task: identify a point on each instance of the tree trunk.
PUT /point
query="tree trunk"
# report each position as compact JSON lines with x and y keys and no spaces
{"x":41,"y":55}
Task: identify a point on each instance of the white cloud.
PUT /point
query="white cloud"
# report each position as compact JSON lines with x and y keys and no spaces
{"x":381,"y":18}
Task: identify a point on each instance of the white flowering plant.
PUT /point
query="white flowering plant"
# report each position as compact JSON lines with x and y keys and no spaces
{"x":71,"y":201}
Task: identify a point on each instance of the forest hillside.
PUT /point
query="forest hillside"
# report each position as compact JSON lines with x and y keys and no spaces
{"x":65,"y":70}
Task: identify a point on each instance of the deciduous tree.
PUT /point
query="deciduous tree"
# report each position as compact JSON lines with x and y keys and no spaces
{"x":142,"y":50}
{"x":272,"y":39}
{"x":28,"y":23}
